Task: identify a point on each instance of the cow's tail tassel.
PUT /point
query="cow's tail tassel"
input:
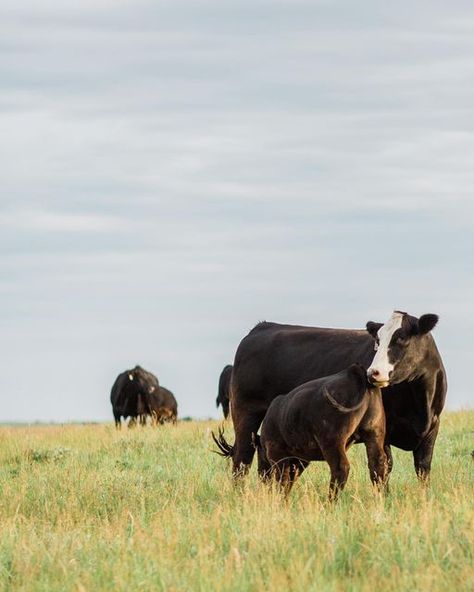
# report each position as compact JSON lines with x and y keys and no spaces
{"x":225,"y":449}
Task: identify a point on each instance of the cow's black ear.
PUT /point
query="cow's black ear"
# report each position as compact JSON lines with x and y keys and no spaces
{"x":372,"y":328}
{"x":427,"y":323}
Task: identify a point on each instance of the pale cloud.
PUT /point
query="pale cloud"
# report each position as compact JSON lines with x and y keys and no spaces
{"x":30,"y":220}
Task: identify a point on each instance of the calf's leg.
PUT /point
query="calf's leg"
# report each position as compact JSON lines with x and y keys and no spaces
{"x":388,"y":454}
{"x":288,"y":471}
{"x":297,"y":466}
{"x":338,"y":462}
{"x":377,"y":458}
{"x":264,"y":465}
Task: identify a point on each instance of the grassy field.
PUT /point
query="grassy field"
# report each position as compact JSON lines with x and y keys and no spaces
{"x":90,"y":508}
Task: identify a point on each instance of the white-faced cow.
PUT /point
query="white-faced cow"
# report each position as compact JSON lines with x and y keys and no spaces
{"x":130,"y":394}
{"x":273,"y":359}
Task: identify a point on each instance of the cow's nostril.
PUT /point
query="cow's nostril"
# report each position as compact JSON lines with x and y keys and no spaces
{"x":375,"y":373}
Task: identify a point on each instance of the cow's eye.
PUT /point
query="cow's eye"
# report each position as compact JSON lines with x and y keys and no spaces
{"x":401,"y":341}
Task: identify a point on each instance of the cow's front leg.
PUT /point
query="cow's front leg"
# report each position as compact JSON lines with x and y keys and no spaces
{"x":423,"y":455}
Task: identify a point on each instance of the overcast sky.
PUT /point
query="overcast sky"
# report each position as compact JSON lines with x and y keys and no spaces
{"x":173,"y":172}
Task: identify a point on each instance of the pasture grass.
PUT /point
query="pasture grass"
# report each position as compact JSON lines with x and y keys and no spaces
{"x":84,"y":507}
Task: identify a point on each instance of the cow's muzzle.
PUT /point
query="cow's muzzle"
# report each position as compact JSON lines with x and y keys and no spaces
{"x":375,"y":378}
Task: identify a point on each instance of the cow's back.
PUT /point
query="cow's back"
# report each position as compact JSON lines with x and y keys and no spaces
{"x":274,"y":359}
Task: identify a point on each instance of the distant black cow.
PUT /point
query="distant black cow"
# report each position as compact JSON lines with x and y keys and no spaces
{"x":130,"y":394}
{"x":224,"y":386}
{"x":319,"y":420}
{"x":274,"y":359}
{"x":162,"y":406}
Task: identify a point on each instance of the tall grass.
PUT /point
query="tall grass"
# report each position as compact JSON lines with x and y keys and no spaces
{"x":90,"y":508}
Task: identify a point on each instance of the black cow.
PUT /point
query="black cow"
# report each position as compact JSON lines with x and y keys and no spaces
{"x":274,"y":359}
{"x":130,"y":392}
{"x":319,"y":420}
{"x":162,"y":406}
{"x":224,"y":387}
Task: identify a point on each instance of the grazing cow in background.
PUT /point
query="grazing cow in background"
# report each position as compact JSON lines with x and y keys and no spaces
{"x":130,"y":392}
{"x":274,"y":359}
{"x":224,"y":387}
{"x":319,"y":420}
{"x":162,"y":406}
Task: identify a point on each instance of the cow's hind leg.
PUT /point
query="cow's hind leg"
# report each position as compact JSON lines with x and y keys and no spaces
{"x":245,"y":424}
{"x":423,"y":455}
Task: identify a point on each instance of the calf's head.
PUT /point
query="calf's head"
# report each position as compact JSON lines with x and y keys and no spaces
{"x":400,"y":345}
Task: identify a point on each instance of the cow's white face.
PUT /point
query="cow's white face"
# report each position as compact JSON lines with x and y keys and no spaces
{"x":400,"y":345}
{"x":381,"y":367}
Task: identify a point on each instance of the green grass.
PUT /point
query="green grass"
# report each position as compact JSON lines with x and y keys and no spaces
{"x":84,"y":507}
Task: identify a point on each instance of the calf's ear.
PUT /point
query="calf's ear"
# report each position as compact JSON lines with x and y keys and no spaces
{"x":372,"y":328}
{"x":427,"y":323}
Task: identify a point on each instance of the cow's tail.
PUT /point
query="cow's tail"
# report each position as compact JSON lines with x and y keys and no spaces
{"x":338,"y":406}
{"x":225,"y":449}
